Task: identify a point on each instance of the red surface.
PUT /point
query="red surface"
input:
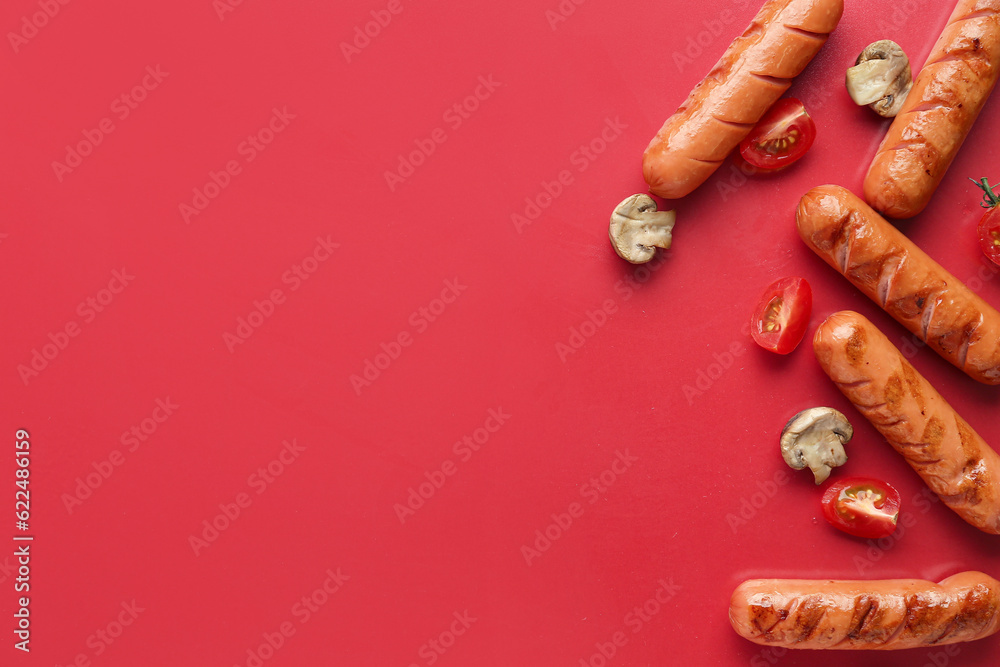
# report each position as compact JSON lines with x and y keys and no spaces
{"x":700,"y":439}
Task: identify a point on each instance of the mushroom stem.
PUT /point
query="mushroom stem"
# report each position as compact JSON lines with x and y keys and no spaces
{"x":637,"y":229}
{"x":830,"y":451}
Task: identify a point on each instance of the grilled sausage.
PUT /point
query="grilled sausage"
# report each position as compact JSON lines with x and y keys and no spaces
{"x":954,"y":461}
{"x":753,"y":73}
{"x":897,"y":275}
{"x":887,"y":614}
{"x":939,"y":111}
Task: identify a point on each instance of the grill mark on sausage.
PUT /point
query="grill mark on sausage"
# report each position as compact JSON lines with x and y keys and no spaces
{"x":975,"y":475}
{"x":754,"y":32}
{"x":929,"y":106}
{"x":933,"y":434}
{"x":984,"y":606}
{"x":949,"y":57}
{"x":893,"y":392}
{"x":975,"y":478}
{"x":808,"y":617}
{"x":857,"y":345}
{"x":907,"y":143}
{"x":883,"y":293}
{"x":869,"y":408}
{"x":975,"y":15}
{"x":919,"y":464}
{"x":733,"y":123}
{"x":895,"y":422}
{"x":838,"y":241}
{"x":895,"y":631}
{"x":963,"y":350}
{"x":891,"y":265}
{"x":819,"y":36}
{"x":968,"y":334}
{"x":977,"y":610}
{"x":773,"y":80}
{"x":946,"y":630}
{"x":928,"y":316}
{"x":842,"y":253}
{"x":927,"y":451}
{"x":967,"y":438}
{"x":716,"y":162}
{"x":857,"y":384}
{"x":863,"y":607}
{"x":913,"y":385}
{"x":763,"y":614}
{"x":911,"y":306}
{"x":924,"y":614}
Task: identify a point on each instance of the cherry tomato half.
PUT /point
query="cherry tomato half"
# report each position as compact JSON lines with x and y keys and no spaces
{"x":781,"y":137}
{"x":862,"y":507}
{"x":782,"y":315}
{"x":989,"y":226}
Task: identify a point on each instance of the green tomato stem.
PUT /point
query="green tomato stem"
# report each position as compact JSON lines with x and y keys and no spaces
{"x":990,"y":198}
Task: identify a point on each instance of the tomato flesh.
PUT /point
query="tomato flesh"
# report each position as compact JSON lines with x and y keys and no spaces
{"x":782,"y":315}
{"x":989,"y":235}
{"x":989,"y":226}
{"x":783,"y":135}
{"x":862,"y":507}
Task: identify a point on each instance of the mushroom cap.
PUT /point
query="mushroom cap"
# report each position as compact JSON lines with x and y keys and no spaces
{"x":814,"y":438}
{"x":637,"y":229}
{"x":881,"y":77}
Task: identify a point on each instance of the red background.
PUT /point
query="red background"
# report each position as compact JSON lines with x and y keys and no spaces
{"x":698,"y":455}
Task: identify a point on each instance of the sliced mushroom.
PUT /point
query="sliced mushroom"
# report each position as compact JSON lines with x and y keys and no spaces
{"x":881,"y":78}
{"x":815,"y":439}
{"x":637,"y":229}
